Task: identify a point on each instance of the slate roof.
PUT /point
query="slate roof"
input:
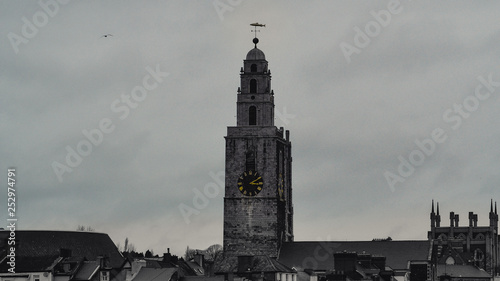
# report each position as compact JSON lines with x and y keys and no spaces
{"x":87,"y":270}
{"x":155,"y":263}
{"x":31,"y":264}
{"x":154,"y":274}
{"x":190,"y":268}
{"x":464,"y":271}
{"x":204,"y":278}
{"x":319,"y":255}
{"x":42,"y":247}
{"x":261,"y":263}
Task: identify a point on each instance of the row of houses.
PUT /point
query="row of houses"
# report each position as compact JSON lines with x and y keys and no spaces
{"x":451,"y":253}
{"x":78,"y":256}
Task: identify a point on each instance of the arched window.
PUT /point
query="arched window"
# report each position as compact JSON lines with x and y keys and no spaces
{"x":253,"y":68}
{"x":253,"y":86}
{"x":252,"y":115}
{"x":443,"y":237}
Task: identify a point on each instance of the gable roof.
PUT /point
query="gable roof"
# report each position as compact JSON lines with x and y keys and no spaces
{"x":36,"y":244}
{"x":87,"y":270}
{"x":463,"y":271}
{"x":154,"y":274}
{"x":189,"y":268}
{"x":319,"y":255}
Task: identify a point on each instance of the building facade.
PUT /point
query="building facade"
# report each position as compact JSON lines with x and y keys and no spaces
{"x":258,"y":211}
{"x":466,"y":245}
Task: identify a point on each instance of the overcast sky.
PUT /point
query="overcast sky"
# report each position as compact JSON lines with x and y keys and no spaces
{"x":389,"y":105}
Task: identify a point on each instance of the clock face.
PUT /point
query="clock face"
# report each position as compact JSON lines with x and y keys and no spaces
{"x":250,"y":183}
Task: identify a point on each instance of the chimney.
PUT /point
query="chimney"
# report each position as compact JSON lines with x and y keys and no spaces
{"x":452,"y":218}
{"x":199,"y":258}
{"x":345,"y":262}
{"x":364,"y":259}
{"x":456,"y":220}
{"x":471,"y":219}
{"x":379,"y":261}
{"x":167,"y":257}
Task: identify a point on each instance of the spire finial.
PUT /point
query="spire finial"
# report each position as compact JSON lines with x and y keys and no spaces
{"x":437,"y":206}
{"x":432,"y":206}
{"x":491,"y":206}
{"x":255,"y":25}
{"x":255,"y":41}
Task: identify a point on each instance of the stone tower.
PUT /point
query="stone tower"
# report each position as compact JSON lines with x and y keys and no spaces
{"x":258,"y":210}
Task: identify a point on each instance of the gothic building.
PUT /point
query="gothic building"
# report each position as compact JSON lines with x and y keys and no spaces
{"x":465,"y":245}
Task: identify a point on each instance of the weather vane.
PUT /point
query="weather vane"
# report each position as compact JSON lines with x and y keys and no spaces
{"x":255,"y":25}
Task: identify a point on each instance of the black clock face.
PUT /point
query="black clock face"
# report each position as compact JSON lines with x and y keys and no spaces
{"x":250,"y":183}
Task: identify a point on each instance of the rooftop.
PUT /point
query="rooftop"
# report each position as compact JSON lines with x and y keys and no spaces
{"x":35,"y":245}
{"x":256,"y":54}
{"x":319,"y":254}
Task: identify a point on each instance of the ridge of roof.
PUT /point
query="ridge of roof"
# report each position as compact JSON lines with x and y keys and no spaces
{"x":357,"y":241}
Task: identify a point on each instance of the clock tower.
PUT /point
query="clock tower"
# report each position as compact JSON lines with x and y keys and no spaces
{"x":258,"y":210}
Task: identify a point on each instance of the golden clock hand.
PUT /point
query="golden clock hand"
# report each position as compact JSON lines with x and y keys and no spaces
{"x":254,"y":181}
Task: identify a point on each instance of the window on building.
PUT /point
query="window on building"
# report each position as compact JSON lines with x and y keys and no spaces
{"x":252,"y":115}
{"x":250,"y":161}
{"x":253,"y":68}
{"x":253,"y":86}
{"x":478,"y":255}
{"x":443,"y":237}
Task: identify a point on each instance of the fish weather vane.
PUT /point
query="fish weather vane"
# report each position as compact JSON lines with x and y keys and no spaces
{"x":255,"y":25}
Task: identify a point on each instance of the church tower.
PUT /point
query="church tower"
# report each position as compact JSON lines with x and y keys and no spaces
{"x":258,"y":210}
